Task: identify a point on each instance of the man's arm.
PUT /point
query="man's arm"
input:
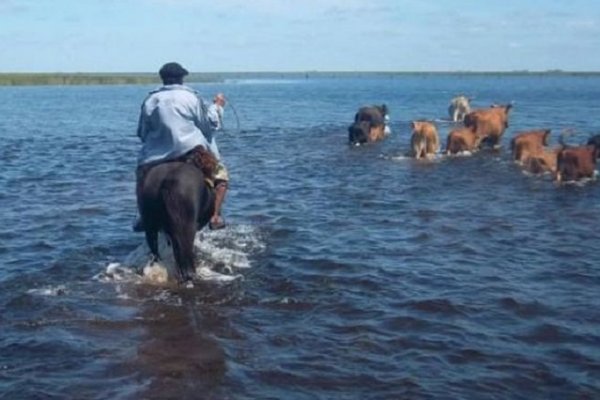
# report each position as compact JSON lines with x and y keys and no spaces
{"x":202,"y":120}
{"x":214,"y":117}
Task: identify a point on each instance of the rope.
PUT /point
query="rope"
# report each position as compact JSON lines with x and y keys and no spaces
{"x":237,"y":118}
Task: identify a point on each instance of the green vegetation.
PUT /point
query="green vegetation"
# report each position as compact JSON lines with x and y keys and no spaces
{"x":22,"y":79}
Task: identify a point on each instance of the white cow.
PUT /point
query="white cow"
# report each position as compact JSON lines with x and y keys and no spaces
{"x":459,"y":107}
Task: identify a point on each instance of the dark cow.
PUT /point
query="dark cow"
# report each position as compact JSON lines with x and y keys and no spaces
{"x":369,"y":125}
{"x":575,"y":163}
{"x":489,"y":123}
{"x":176,"y":199}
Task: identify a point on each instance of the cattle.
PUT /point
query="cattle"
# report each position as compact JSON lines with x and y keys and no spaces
{"x":489,"y":123}
{"x":529,"y":149}
{"x":424,"y":140}
{"x":525,"y":144}
{"x":459,"y":107}
{"x":369,"y":125}
{"x":542,"y":162}
{"x":462,"y":139}
{"x":576,"y":163}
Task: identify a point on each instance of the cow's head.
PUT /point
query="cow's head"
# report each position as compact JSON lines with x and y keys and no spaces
{"x":358,"y":132}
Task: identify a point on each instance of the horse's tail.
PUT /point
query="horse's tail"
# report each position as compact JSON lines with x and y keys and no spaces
{"x":180,"y":223}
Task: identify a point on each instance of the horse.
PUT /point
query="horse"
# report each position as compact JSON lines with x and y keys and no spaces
{"x":176,"y":199}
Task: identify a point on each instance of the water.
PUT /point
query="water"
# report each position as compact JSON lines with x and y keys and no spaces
{"x":357,"y":273}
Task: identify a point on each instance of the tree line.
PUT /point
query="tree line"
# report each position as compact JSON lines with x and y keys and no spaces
{"x":82,"y":78}
{"x":23,"y":79}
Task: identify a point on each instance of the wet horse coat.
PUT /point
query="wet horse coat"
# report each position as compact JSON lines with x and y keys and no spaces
{"x":176,"y":200}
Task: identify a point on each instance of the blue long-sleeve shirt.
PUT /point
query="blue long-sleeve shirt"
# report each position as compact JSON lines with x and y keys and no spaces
{"x":173,"y":120}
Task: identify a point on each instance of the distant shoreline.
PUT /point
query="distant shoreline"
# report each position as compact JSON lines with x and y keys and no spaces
{"x":84,"y":78}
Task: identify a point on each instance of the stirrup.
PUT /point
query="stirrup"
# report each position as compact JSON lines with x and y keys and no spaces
{"x":214,"y":226}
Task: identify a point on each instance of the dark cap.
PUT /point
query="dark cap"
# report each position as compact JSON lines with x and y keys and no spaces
{"x":172,"y":70}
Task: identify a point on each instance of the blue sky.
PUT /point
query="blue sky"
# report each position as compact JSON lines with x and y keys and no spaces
{"x":300,"y":35}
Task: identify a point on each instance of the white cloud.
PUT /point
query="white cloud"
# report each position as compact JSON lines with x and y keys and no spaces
{"x":583,"y":24}
{"x":12,"y":6}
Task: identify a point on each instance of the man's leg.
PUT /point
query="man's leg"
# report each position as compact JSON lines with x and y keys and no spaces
{"x":221,"y":185}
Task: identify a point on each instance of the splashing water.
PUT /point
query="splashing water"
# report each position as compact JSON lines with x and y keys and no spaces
{"x":219,"y":255}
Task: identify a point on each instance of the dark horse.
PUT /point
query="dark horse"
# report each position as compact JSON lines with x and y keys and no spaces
{"x":176,"y":199}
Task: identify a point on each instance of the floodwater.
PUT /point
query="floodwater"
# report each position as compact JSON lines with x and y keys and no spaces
{"x":344,"y":273}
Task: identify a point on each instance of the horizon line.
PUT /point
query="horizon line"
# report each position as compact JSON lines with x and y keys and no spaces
{"x":314,"y":71}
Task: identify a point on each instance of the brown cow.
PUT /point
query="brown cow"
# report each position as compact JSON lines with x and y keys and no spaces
{"x":462,"y":139}
{"x":575,"y":163}
{"x":543,"y":161}
{"x":529,"y":149}
{"x":489,"y":123}
{"x":424,"y":141}
{"x":525,"y":144}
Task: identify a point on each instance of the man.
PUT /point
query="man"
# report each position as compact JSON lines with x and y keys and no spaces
{"x":173,"y":121}
{"x":215,"y":117}
{"x":215,"y":112}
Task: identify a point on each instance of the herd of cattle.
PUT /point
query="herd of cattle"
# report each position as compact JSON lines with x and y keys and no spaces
{"x":484,"y":127}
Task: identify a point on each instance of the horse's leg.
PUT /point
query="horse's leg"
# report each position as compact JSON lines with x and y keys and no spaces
{"x":152,"y":241}
{"x":182,"y":239}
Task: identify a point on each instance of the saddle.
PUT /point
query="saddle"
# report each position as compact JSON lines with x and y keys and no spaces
{"x":204,"y":161}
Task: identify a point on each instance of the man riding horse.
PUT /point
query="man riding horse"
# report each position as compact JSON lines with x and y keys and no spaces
{"x":180,"y":183}
{"x":173,"y":121}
